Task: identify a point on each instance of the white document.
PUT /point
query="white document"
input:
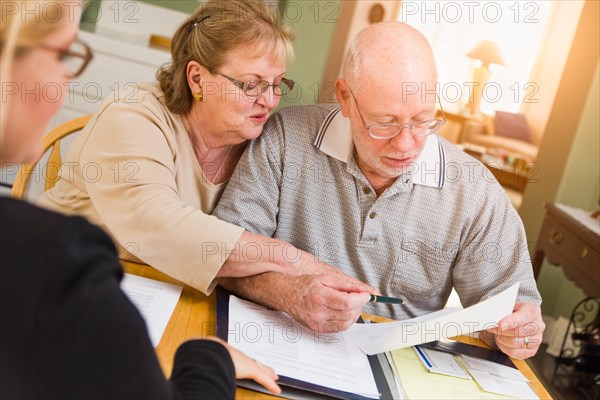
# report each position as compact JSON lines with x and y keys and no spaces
{"x":492,"y":368}
{"x":276,"y":340}
{"x":498,"y":378}
{"x":440,"y":362}
{"x":388,"y":336}
{"x":495,"y":384}
{"x":155,"y":300}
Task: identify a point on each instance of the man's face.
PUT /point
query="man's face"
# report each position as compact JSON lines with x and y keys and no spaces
{"x":385,"y":159}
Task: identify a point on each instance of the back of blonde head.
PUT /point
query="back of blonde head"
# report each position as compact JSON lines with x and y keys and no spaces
{"x":26,"y":23}
{"x":211,"y":32}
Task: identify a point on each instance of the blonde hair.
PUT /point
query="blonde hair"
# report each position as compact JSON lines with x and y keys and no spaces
{"x":211,"y":32}
{"x":26,"y":23}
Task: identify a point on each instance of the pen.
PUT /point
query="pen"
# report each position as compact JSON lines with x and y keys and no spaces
{"x":384,"y":299}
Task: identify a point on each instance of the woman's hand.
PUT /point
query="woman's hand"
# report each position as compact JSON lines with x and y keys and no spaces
{"x":247,"y":368}
{"x":255,"y":254}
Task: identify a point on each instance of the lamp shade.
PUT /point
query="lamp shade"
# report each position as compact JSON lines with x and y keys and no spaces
{"x":488,"y":52}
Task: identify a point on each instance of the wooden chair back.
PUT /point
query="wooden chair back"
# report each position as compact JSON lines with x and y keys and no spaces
{"x":50,"y":142}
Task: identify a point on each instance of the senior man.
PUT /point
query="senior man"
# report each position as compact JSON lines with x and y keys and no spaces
{"x":368,"y":188}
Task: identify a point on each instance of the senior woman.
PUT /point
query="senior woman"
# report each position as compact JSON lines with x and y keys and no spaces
{"x":149,"y":168}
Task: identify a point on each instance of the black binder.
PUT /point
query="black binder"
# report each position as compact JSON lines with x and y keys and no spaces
{"x":295,"y":389}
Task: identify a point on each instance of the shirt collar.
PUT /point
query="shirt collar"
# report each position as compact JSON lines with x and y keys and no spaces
{"x":335,"y":140}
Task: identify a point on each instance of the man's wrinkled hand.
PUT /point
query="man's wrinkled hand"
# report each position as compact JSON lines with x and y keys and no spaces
{"x":326,"y":303}
{"x":519,"y":335}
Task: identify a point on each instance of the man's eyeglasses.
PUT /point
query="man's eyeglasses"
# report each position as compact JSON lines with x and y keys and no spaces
{"x":389,"y":130}
{"x":254,"y":89}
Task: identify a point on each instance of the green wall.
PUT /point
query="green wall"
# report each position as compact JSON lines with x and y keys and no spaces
{"x":186,"y":6}
{"x":314,"y":23}
{"x":579,"y":188}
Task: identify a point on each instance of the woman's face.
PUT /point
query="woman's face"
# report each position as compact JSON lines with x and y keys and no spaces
{"x":226,"y":112}
{"x":34,"y":94}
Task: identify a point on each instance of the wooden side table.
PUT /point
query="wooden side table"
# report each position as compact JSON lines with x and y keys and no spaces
{"x":514,"y":177}
{"x":460,"y":118}
{"x":569,"y":240}
{"x":509,"y":176}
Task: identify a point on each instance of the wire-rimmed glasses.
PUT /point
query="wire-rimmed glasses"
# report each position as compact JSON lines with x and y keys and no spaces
{"x":254,"y":89}
{"x":390,"y":130}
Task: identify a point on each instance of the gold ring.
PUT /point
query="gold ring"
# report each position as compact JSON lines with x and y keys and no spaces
{"x":525,"y":342}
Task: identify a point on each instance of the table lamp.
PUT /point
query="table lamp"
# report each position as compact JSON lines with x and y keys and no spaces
{"x":488,"y":53}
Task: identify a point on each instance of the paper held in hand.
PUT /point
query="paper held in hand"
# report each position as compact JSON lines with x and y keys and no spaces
{"x":443,"y":324}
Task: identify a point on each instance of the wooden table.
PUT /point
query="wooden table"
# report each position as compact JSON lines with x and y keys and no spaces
{"x":194,"y":317}
{"x":460,"y":119}
{"x":566,"y":242}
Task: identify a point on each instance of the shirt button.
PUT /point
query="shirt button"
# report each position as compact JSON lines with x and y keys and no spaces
{"x":367,"y":190}
{"x":372,"y":215}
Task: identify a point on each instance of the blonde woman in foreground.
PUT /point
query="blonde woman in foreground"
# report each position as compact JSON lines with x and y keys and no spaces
{"x":68,"y":331}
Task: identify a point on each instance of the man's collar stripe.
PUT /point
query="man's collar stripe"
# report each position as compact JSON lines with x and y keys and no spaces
{"x":324,"y":127}
{"x":442,"y":175}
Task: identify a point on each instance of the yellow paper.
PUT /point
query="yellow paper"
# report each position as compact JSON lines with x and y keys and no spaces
{"x":419,"y":383}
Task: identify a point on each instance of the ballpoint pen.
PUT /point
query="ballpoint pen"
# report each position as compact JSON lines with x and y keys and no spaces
{"x":385,"y":299}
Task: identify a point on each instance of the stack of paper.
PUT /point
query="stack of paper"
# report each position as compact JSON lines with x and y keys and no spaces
{"x":155,"y":300}
{"x":339,"y":361}
{"x":440,"y":362}
{"x":418,"y":383}
{"x":274,"y":339}
{"x":497,"y":378}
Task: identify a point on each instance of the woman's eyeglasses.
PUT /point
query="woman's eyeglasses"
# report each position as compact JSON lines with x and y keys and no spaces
{"x":76,"y":58}
{"x":254,"y":89}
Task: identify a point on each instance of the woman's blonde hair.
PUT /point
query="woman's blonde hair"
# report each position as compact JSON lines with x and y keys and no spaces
{"x":26,"y":23}
{"x":211,"y":32}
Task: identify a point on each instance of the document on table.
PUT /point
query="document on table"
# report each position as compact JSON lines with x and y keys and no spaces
{"x":155,"y":300}
{"x":274,"y":339}
{"x":379,"y":338}
{"x":497,"y":378}
{"x":418,"y":383}
{"x":440,"y":362}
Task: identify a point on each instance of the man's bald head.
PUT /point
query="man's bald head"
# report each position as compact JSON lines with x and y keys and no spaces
{"x":390,"y":71}
{"x":390,"y":53}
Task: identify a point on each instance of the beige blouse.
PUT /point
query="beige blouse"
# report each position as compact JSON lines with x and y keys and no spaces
{"x":133,"y":172}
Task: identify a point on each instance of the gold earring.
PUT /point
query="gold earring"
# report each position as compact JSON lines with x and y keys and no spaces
{"x":198,"y":96}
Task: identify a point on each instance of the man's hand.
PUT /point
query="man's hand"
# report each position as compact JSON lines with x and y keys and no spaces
{"x":519,"y":335}
{"x":325,"y":303}
{"x":312,"y":292}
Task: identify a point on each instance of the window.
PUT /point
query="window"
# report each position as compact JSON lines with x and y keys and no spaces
{"x":455,"y":27}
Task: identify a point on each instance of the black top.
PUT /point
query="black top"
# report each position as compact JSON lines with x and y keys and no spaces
{"x":68,"y":331}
